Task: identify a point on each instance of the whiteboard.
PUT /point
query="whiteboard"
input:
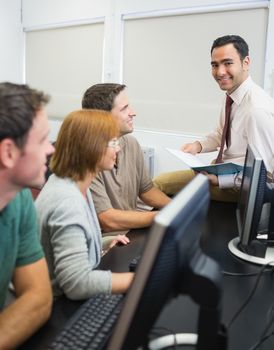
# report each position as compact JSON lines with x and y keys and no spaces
{"x":166,"y":65}
{"x":64,"y":62}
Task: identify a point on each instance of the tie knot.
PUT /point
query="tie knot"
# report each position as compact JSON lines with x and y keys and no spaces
{"x":229,"y":100}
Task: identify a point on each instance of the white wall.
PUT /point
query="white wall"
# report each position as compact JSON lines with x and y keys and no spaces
{"x":51,"y":13}
{"x":11,"y":41}
{"x":269,"y":59}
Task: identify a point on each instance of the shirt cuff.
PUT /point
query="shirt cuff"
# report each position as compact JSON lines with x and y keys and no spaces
{"x":226,"y":181}
{"x":230,"y":180}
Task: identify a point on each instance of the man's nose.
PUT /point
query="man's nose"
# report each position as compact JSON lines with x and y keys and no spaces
{"x":132,"y":112}
{"x":51,"y":148}
{"x":221,"y":69}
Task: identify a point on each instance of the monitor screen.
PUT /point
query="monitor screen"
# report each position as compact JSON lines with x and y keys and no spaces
{"x":172,"y":263}
{"x":253,"y":212}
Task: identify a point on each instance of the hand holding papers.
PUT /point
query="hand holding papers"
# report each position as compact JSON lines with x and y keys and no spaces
{"x":187,"y":158}
{"x":197,"y":165}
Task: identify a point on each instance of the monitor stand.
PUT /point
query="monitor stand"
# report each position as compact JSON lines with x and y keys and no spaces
{"x":167,"y":341}
{"x":211,"y":333}
{"x":268,"y":258}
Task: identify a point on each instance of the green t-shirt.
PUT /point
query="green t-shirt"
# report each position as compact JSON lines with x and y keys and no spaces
{"x":19,"y":240}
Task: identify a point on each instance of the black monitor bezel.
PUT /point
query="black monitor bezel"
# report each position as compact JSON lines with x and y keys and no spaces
{"x":251,"y":199}
{"x":135,"y":321}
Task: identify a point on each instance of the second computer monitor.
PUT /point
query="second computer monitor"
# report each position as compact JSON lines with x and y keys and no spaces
{"x":253,"y":213}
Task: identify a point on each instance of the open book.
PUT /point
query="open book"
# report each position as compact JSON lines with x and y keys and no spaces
{"x":197,"y":165}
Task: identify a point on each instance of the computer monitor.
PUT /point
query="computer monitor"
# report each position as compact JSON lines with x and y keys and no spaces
{"x":172,"y":263}
{"x":254,"y":213}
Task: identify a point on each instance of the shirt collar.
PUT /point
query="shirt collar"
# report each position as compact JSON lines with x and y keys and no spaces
{"x":239,"y":94}
{"x":122,"y":143}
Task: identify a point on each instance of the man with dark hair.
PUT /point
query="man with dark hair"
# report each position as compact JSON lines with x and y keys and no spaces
{"x":24,"y":148}
{"x":250,"y":121}
{"x":115,"y":192}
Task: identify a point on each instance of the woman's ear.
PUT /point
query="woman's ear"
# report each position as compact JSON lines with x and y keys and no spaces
{"x":9,"y":153}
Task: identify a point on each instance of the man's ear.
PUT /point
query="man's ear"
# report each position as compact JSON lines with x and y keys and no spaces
{"x":9,"y":153}
{"x":246,"y":63}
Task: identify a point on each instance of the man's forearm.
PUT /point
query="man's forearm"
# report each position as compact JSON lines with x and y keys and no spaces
{"x":155,"y":198}
{"x":22,"y":318}
{"x":119,"y":220}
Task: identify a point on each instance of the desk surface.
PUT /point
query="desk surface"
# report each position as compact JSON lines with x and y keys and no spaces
{"x":181,"y":314}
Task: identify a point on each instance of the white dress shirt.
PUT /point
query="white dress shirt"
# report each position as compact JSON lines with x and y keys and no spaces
{"x":252,"y":122}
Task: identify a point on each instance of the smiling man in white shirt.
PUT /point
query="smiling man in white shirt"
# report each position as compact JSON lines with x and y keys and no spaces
{"x":251,"y":121}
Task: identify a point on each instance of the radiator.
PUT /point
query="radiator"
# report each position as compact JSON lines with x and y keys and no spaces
{"x":149,"y":159}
